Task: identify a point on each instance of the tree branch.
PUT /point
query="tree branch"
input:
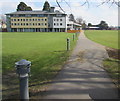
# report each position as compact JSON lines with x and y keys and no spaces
{"x":59,"y":6}
{"x":86,"y":2}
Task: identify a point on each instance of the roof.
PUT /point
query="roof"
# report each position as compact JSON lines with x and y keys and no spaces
{"x":73,"y":23}
{"x":93,"y":27}
{"x":35,"y":12}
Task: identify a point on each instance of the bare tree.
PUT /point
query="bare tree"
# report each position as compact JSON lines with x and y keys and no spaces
{"x":3,"y":18}
{"x":79,"y":20}
{"x":111,"y":2}
{"x":87,"y":2}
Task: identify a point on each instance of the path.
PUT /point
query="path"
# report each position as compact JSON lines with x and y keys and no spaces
{"x":83,"y":77}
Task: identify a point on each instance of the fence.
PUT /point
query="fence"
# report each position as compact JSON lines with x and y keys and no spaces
{"x":73,"y":31}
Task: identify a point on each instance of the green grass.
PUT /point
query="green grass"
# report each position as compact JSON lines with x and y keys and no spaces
{"x":46,"y":51}
{"x":112,"y":66}
{"x":105,"y":37}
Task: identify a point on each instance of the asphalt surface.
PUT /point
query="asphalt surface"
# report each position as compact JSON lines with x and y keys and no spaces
{"x":83,"y":76}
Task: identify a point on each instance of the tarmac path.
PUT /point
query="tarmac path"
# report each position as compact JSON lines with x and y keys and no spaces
{"x":83,"y":76}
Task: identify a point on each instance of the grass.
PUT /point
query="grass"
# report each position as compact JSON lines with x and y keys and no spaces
{"x":105,"y":37}
{"x":112,"y":66}
{"x":46,"y":51}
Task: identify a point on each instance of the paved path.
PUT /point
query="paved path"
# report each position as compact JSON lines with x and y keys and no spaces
{"x":83,"y":77}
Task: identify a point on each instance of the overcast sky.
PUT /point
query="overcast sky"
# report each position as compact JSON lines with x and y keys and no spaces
{"x":93,"y":14}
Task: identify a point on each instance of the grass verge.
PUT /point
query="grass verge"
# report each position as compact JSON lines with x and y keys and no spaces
{"x":112,"y":66}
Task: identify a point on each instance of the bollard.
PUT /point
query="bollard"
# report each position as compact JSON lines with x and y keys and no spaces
{"x":68,"y":44}
{"x":76,"y":34}
{"x":23,"y":70}
{"x":73,"y":37}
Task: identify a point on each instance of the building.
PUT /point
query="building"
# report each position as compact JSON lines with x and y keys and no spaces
{"x":92,"y":28}
{"x":36,"y":21}
{"x":73,"y":27}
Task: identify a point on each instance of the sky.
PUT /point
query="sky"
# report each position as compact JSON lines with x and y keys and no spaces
{"x":92,"y":14}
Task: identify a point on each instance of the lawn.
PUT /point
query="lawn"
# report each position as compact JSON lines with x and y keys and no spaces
{"x":105,"y":37}
{"x":46,"y":51}
{"x":112,"y":66}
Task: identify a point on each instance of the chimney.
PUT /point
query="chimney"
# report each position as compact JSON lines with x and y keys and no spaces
{"x":52,"y":9}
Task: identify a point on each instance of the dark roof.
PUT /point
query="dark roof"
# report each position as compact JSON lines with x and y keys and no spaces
{"x":35,"y":12}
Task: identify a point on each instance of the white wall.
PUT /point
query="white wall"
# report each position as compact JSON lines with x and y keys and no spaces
{"x":57,"y":21}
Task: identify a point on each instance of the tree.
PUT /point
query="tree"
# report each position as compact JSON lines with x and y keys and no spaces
{"x":84,"y":24}
{"x":103,"y":25}
{"x":71,"y":18}
{"x":3,"y":18}
{"x":46,"y":6}
{"x":87,"y":2}
{"x":89,"y":24}
{"x":28,"y":8}
{"x":79,"y":20}
{"x":23,"y":7}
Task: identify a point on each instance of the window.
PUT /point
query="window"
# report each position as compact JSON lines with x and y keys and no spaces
{"x":26,"y":19}
{"x":26,"y":23}
{"x":42,"y":24}
{"x":21,"y":24}
{"x":28,"y":15}
{"x":38,"y":19}
{"x":59,"y":15}
{"x":29,"y":23}
{"x":57,"y":19}
{"x":29,"y":19}
{"x":54,"y":19}
{"x":33,"y":19}
{"x":45,"y":23}
{"x":42,"y":19}
{"x":14,"y":19}
{"x":18,"y":24}
{"x":54,"y":23}
{"x":61,"y":24}
{"x":23,"y":19}
{"x":45,"y":19}
{"x":57,"y":24}
{"x":38,"y":23}
{"x":14,"y":23}
{"x":60,"y":19}
{"x":18,"y":19}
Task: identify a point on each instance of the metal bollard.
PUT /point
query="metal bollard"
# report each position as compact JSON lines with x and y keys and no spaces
{"x":23,"y":70}
{"x":73,"y":37}
{"x":68,"y":44}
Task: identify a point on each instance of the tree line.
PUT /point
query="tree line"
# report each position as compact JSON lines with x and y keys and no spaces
{"x":23,"y":7}
{"x":102,"y":25}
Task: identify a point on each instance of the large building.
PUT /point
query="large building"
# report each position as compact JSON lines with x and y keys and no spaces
{"x":36,"y":21}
